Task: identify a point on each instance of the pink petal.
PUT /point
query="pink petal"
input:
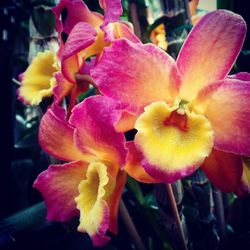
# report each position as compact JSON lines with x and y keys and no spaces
{"x":227,"y":106}
{"x":243,"y":76}
{"x":118,"y":30}
{"x":223,"y":169}
{"x":137,"y":75}
{"x":114,"y":201}
{"x":81,"y":37}
{"x":210,"y":50}
{"x":59,"y":187}
{"x":77,"y":11}
{"x":94,"y":120}
{"x":112,"y":10}
{"x":62,"y":88}
{"x":134,"y":165}
{"x":56,"y":136}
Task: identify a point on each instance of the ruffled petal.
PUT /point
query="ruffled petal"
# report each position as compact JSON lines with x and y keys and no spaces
{"x":223,"y":169}
{"x":210,"y":51}
{"x":94,"y":120}
{"x":137,"y":75}
{"x":227,"y":106}
{"x":134,"y":165}
{"x":174,"y":143}
{"x":38,"y":80}
{"x":77,"y":11}
{"x":94,"y":210}
{"x":59,"y":187}
{"x":56,"y":136}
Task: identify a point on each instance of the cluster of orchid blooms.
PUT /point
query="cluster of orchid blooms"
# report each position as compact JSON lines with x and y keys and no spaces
{"x":188,"y":113}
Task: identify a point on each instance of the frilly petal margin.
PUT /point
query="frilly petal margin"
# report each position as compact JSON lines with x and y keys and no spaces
{"x":56,"y":136}
{"x":140,"y":75}
{"x":223,"y":169}
{"x":134,"y":165}
{"x":210,"y":51}
{"x":226,"y":104}
{"x":173,"y":144}
{"x":59,"y":186}
{"x":91,"y":201}
{"x":38,"y":81}
{"x":94,"y":121}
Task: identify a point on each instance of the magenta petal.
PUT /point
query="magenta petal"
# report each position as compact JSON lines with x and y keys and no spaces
{"x":112,"y":10}
{"x":81,"y":36}
{"x":136,"y":75}
{"x":224,"y":170}
{"x":167,"y":177}
{"x":210,"y":50}
{"x":118,"y":30}
{"x":242,"y":76}
{"x":77,"y":11}
{"x":59,"y":187}
{"x":56,"y":135}
{"x":226,"y":104}
{"x":94,"y":120}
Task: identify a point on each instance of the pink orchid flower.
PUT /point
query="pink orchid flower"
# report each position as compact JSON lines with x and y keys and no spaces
{"x":88,"y":33}
{"x":91,"y":183}
{"x":187,"y":113}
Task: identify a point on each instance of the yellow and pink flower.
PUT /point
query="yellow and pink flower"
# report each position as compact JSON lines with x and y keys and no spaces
{"x":187,"y":113}
{"x":90,"y":184}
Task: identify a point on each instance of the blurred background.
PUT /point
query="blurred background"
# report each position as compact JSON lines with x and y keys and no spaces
{"x":211,"y":219}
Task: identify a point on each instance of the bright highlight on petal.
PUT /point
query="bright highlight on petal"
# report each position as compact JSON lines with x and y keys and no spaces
{"x":94,"y":211}
{"x":210,"y":51}
{"x":173,"y":142}
{"x":38,"y":80}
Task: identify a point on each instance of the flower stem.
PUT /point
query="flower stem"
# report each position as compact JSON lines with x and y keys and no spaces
{"x":130,"y":226}
{"x":176,"y":215}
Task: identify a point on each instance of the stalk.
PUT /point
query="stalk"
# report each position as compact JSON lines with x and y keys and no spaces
{"x":127,"y":220}
{"x":176,"y":216}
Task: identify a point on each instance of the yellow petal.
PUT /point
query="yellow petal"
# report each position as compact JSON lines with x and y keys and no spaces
{"x":38,"y":80}
{"x":94,"y":191}
{"x":174,"y":141}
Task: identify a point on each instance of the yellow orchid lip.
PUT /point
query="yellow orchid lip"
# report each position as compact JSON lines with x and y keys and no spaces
{"x":174,"y":140}
{"x":38,"y":80}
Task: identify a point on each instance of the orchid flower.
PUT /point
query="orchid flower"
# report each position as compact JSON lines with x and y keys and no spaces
{"x":187,"y":113}
{"x":38,"y":80}
{"x":88,"y":33}
{"x":92,"y":180}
